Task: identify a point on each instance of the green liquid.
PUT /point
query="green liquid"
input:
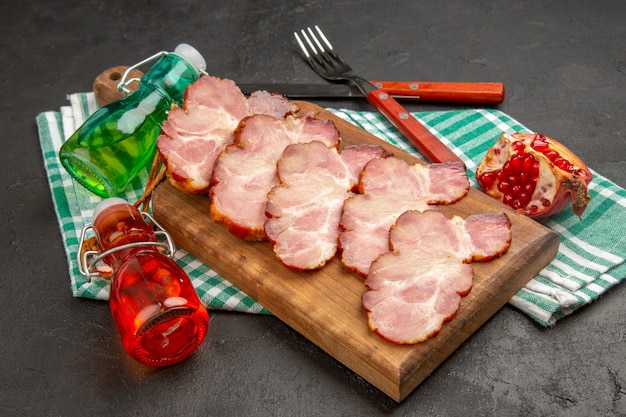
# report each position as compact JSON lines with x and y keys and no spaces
{"x":119,"y":140}
{"x":114,"y":145}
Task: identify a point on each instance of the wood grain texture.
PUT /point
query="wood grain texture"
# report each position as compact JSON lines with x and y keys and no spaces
{"x":325,"y":305}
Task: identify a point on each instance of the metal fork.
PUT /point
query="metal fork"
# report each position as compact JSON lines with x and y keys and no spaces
{"x":322,"y":58}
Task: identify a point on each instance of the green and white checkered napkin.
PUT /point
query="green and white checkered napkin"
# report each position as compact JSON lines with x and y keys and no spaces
{"x":590,"y":260}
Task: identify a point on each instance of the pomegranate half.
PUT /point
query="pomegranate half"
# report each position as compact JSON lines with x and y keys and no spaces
{"x":535,"y":175}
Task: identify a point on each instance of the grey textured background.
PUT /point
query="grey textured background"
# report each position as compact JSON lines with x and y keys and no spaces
{"x":563,"y":64}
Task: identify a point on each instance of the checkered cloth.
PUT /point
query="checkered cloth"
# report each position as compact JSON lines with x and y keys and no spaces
{"x":590,"y":260}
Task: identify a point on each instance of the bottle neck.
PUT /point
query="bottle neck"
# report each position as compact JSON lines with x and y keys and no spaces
{"x":171,"y":74}
{"x":119,"y":225}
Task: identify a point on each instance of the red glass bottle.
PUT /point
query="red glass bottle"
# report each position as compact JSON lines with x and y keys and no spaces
{"x":155,"y":307}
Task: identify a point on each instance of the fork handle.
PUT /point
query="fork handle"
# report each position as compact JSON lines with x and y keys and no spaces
{"x":449,"y":92}
{"x":425,"y":142}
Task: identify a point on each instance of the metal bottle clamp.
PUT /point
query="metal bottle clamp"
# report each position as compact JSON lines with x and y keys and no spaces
{"x":86,"y":267}
{"x":122,"y":85}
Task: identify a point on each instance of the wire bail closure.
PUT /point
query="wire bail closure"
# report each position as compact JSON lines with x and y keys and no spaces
{"x":122,"y":86}
{"x":87,"y":260}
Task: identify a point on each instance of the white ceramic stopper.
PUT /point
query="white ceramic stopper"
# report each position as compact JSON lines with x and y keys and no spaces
{"x":192,"y":55}
{"x":105,"y":204}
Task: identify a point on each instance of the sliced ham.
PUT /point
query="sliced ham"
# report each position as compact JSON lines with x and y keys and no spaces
{"x":305,"y":208}
{"x":418,"y":286}
{"x":388,"y":187}
{"x":246,"y":170}
{"x":193,"y":135}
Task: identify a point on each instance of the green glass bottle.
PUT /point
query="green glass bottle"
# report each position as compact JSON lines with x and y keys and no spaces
{"x":119,"y":140}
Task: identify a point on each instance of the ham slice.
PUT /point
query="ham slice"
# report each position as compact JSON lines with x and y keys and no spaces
{"x":246,"y":170}
{"x":418,"y":286}
{"x":193,"y":135}
{"x":305,"y":208}
{"x":389,"y":187}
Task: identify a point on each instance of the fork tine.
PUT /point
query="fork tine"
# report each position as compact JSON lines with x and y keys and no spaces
{"x":302,"y":47}
{"x":317,"y":42}
{"x":329,"y":47}
{"x":314,"y":55}
{"x":322,"y":52}
{"x":309,"y":56}
{"x":324,"y":38}
{"x":320,"y":55}
{"x":308,"y":41}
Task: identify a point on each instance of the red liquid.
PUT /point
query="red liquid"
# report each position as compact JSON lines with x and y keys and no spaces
{"x":155,"y":307}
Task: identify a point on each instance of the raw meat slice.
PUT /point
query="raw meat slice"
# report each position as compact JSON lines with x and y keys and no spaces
{"x":193,"y":135}
{"x":389,"y":187}
{"x":305,"y":208}
{"x":418,"y":286}
{"x":272,"y":104}
{"x":357,"y":156}
{"x":246,"y":170}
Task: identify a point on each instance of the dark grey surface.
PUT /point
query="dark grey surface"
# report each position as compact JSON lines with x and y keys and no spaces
{"x":563,"y":64}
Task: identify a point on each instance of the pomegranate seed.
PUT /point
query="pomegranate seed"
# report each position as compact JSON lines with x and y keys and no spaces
{"x":518,"y":146}
{"x":517,"y":162}
{"x":551,"y":155}
{"x":563,"y":164}
{"x":539,"y":144}
{"x":582,"y":173}
{"x":487,"y":180}
{"x":524,"y":198}
{"x":545,"y":202}
{"x":530,"y":163}
{"x":558,"y":160}
{"x":529,"y":188}
{"x":524,"y":177}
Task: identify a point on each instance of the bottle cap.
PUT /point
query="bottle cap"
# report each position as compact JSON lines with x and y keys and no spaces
{"x":192,"y":55}
{"x":105,"y":204}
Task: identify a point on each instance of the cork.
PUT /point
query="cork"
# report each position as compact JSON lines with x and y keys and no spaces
{"x":105,"y":84}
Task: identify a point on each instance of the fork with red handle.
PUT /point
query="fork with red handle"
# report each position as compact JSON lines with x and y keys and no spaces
{"x":323,"y":60}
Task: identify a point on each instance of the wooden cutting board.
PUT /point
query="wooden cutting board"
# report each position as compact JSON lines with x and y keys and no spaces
{"x":325,"y":305}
